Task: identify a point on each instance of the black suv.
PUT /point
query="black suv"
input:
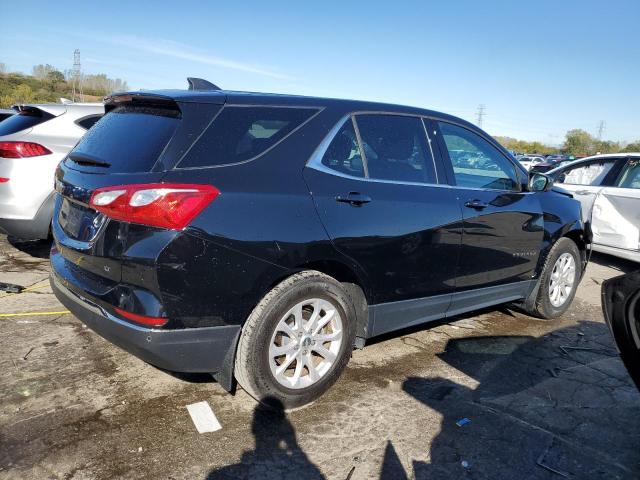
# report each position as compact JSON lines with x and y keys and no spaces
{"x":260,"y":237}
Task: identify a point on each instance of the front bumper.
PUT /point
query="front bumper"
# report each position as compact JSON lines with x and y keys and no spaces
{"x":204,"y":350}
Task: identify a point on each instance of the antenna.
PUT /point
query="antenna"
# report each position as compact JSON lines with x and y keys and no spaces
{"x":77,"y":76}
{"x":601,"y":127}
{"x":481,"y":114}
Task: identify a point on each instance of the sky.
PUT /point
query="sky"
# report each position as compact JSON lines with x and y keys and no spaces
{"x":540,"y":67}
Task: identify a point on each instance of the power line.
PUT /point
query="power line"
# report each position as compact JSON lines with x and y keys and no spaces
{"x":480,"y":114}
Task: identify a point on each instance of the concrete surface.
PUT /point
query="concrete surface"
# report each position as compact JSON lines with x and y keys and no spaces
{"x":72,"y":406}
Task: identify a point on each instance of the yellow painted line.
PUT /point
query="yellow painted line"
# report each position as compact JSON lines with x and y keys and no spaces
{"x":33,"y":314}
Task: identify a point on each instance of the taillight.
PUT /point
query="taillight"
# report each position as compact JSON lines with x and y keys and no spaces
{"x":22,"y":150}
{"x":142,"y":319}
{"x":4,"y":179}
{"x":165,"y":205}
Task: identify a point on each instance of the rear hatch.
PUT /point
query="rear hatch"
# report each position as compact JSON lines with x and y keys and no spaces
{"x":140,"y":137}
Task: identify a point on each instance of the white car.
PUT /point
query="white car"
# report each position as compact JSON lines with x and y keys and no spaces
{"x":529,"y":161}
{"x":608,"y":188}
{"x":32,"y":143}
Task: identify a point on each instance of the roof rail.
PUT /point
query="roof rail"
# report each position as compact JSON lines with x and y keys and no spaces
{"x":201,"y":84}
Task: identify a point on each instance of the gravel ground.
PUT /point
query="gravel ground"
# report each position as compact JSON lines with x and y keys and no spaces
{"x":544,"y":400}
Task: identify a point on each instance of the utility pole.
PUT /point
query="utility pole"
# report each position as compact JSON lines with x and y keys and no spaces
{"x":77,"y":76}
{"x":601,"y":126}
{"x":480,"y":114}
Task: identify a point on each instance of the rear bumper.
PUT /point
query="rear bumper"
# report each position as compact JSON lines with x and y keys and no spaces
{"x":205,"y":350}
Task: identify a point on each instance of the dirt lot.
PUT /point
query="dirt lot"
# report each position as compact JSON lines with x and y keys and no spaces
{"x":544,"y":400}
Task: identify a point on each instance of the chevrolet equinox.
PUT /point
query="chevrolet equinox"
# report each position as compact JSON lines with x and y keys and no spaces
{"x":261,"y":237}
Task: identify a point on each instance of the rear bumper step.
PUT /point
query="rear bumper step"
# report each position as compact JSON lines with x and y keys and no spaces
{"x":192,"y":350}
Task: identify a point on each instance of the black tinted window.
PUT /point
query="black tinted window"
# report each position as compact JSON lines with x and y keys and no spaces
{"x":477,"y":163}
{"x":395,"y":148}
{"x":242,"y":133}
{"x":129,"y":139}
{"x":88,"y":122}
{"x":343,"y":153}
{"x":22,"y":121}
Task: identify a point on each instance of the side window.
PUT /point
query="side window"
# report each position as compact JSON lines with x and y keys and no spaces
{"x":87,"y":122}
{"x":239,"y":134}
{"x":592,"y":173}
{"x":477,"y":163}
{"x":343,"y":153}
{"x":631,"y":176}
{"x":395,"y":148}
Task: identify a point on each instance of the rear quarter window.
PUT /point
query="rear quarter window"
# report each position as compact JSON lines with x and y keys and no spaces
{"x":239,"y":134}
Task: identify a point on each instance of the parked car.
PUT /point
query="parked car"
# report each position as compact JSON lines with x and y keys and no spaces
{"x":608,"y":188}
{"x":261,"y":237}
{"x":32,"y":143}
{"x":529,"y":161}
{"x":549,"y":163}
{"x":621,"y":307}
{"x":5,"y":113}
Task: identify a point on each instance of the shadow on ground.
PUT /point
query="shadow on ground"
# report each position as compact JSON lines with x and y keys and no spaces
{"x":548,"y":407}
{"x":276,"y":455}
{"x":37,"y":248}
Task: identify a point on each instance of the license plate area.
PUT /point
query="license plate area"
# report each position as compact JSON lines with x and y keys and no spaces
{"x":79,"y":222}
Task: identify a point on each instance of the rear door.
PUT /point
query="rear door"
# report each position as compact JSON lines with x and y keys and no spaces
{"x":503,"y":225}
{"x":376,"y":187}
{"x":616,"y":211}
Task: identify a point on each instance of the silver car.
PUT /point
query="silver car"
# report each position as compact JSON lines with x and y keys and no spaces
{"x":608,"y":188}
{"x":32,"y":143}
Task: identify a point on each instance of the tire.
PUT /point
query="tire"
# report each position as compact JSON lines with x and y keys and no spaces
{"x":548,"y":304}
{"x":263,"y":335}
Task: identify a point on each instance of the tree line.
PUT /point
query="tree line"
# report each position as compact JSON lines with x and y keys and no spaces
{"x":47,"y":84}
{"x":577,"y":142}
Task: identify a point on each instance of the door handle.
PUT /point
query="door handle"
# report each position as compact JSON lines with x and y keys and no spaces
{"x":476,"y":204}
{"x":583,"y":192}
{"x":353,"y":198}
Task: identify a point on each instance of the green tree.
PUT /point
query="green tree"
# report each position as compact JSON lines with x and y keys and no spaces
{"x":54,"y":78}
{"x":23,"y":94}
{"x":632,"y":147}
{"x":579,"y":143}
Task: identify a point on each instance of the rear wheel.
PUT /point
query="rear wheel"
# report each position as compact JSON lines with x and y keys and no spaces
{"x":297,"y":341}
{"x":559,"y":280}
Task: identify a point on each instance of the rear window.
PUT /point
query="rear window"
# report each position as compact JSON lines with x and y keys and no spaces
{"x":23,"y":120}
{"x":239,"y":134}
{"x":127,"y":139}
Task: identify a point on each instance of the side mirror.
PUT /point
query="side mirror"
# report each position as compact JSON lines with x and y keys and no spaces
{"x":539,"y":182}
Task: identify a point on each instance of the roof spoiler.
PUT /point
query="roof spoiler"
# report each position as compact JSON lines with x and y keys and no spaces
{"x":201,"y":84}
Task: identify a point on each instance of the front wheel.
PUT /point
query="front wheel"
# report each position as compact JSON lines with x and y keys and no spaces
{"x":297,"y":341}
{"x":559,"y":280}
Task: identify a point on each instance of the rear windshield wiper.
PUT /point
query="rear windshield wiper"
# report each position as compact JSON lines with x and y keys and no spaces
{"x":87,"y":160}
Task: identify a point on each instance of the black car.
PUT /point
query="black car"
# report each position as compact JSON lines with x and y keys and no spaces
{"x":550,"y":162}
{"x":260,"y":237}
{"x":621,"y":307}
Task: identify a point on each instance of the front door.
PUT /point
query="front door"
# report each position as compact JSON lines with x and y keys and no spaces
{"x":502,"y":224}
{"x":376,"y":190}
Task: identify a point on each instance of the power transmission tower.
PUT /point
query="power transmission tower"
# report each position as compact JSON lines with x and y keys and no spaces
{"x":77,"y":76}
{"x":481,"y":114}
{"x":601,"y":126}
